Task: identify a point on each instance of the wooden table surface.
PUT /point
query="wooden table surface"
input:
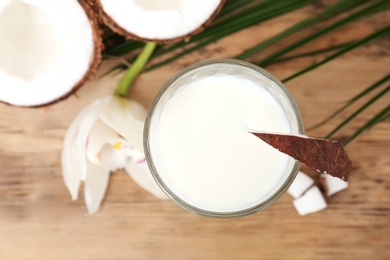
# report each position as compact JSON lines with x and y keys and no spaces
{"x":39,"y":221}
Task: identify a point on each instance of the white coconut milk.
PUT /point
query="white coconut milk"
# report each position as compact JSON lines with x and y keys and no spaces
{"x":202,"y":148}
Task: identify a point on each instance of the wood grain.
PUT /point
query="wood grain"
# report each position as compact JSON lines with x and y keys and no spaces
{"x":39,"y":221}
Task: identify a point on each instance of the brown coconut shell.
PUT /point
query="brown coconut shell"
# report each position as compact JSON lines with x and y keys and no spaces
{"x":94,"y":60}
{"x":109,"y":22}
{"x":323,"y":155}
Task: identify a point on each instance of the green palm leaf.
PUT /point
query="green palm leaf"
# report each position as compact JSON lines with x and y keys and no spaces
{"x":310,"y":53}
{"x":377,"y":34}
{"x":357,"y":112}
{"x":352,"y":100}
{"x":227,"y":29}
{"x":370,"y":10}
{"x":239,"y":21}
{"x":331,"y":11}
{"x":380,"y":117}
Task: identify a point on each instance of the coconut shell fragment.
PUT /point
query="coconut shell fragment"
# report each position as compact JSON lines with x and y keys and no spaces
{"x":323,"y":155}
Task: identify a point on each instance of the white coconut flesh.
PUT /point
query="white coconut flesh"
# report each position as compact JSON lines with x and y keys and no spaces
{"x":45,"y":49}
{"x":301,"y":183}
{"x":160,"y":19}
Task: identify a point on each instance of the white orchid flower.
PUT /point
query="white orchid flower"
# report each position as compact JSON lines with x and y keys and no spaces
{"x":105,"y":136}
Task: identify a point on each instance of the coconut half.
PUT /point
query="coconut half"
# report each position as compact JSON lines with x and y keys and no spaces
{"x":158,"y":20}
{"x":48,"y":49}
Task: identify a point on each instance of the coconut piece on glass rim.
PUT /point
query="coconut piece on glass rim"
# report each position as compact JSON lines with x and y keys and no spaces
{"x":48,"y":50}
{"x":160,"y":21}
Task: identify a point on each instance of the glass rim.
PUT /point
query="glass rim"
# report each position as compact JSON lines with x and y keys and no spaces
{"x":214,"y":214}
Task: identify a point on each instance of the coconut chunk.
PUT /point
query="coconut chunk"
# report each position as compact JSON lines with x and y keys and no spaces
{"x":301,"y":183}
{"x":332,"y":184}
{"x":158,"y":20}
{"x":48,"y":49}
{"x":312,"y":201}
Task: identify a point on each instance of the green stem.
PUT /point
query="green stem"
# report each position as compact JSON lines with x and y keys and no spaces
{"x":127,"y":79}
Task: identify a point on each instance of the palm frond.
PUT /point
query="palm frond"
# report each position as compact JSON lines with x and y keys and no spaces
{"x":377,"y":34}
{"x":370,"y":10}
{"x":358,"y":111}
{"x":380,"y":117}
{"x":310,"y":53}
{"x":232,"y":6}
{"x":240,"y":20}
{"x":351,"y":101}
{"x":256,"y":16}
{"x":131,"y":45}
{"x":333,"y":10}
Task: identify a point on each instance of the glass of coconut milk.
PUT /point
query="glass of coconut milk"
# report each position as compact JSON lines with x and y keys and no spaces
{"x":198,"y":143}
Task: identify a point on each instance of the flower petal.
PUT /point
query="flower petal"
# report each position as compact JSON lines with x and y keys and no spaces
{"x":85,"y":127}
{"x":71,"y":178}
{"x":95,"y":187}
{"x":70,"y":155}
{"x":124,"y":116}
{"x":99,"y":135}
{"x":112,"y":159}
{"x":3,"y":4}
{"x":141,"y":174}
